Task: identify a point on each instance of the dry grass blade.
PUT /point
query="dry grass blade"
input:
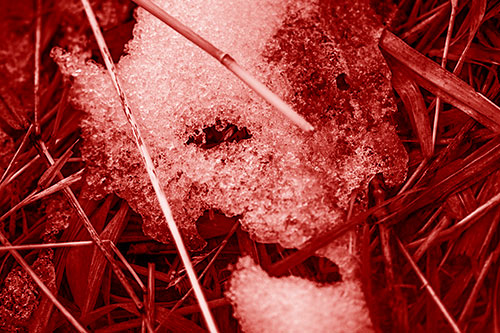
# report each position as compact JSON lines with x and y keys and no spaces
{"x":425,"y":21}
{"x":428,"y":287}
{"x":475,"y":167}
{"x":476,"y":15}
{"x":454,"y":7}
{"x":310,"y":247}
{"x":429,"y":239}
{"x":228,"y":62}
{"x":415,"y":106}
{"x":151,"y":170}
{"x":42,"y":149}
{"x":433,"y":317}
{"x":126,"y":326}
{"x":477,"y":53}
{"x":430,"y":221}
{"x":430,"y":35}
{"x":466,"y":222}
{"x":366,"y":275}
{"x":281,"y":267}
{"x":19,"y":172}
{"x":62,"y":105}
{"x":16,"y":154}
{"x":49,"y":174}
{"x":492,"y":258}
{"x":219,"y":250}
{"x":44,"y":311}
{"x":36,"y":76}
{"x":496,"y":305}
{"x":59,"y":186}
{"x":493,"y":10}
{"x":160,"y":276}
{"x":45,"y":246}
{"x":477,"y":238}
{"x":98,"y":263}
{"x":190,"y":309}
{"x":77,"y":263}
{"x":127,"y":265}
{"x":442,"y":83}
{"x":450,"y":152}
{"x":99,"y":312}
{"x":398,"y":303}
{"x":150,"y":295}
{"x":41,"y":285}
{"x":177,"y":323}
{"x":447,"y":214}
{"x":247,"y":246}
{"x":414,"y":177}
{"x":491,"y":219}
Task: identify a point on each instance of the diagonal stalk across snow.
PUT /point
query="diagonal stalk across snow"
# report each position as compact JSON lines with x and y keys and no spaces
{"x":150,"y":169}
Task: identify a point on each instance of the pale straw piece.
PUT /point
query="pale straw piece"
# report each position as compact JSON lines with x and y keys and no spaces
{"x":227,"y":61}
{"x":151,"y":170}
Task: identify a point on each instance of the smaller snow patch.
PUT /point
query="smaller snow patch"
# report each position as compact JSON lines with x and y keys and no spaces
{"x":291,"y":304}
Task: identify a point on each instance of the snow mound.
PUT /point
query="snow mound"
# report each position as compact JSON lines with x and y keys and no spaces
{"x":291,"y":304}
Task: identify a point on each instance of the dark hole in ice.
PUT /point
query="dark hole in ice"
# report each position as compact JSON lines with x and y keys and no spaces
{"x":213,"y":136}
{"x":341,"y":82}
{"x":322,"y":270}
{"x":213,"y":223}
{"x":316,"y":269}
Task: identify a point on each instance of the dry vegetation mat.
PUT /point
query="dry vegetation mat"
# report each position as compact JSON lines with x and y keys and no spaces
{"x":383,"y":218}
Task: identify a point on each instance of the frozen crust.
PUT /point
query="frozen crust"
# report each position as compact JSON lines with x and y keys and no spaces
{"x":287,"y":185}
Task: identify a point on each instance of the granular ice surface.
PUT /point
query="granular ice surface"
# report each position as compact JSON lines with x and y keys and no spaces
{"x":288,"y":185}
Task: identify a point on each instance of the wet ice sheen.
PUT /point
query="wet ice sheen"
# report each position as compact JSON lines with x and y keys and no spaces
{"x":287,"y":185}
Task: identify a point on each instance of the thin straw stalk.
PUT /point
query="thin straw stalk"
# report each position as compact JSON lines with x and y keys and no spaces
{"x":150,"y":295}
{"x":45,"y":246}
{"x":150,"y":168}
{"x":126,"y":263}
{"x":16,"y":154}
{"x":36,"y":77}
{"x":73,"y":201}
{"x":469,"y":305}
{"x":179,"y":302}
{"x":428,"y":287}
{"x":210,"y":263}
{"x":227,"y":61}
{"x":16,"y":174}
{"x":453,"y":14}
{"x":62,"y":184}
{"x":464,"y":223}
{"x":414,"y":176}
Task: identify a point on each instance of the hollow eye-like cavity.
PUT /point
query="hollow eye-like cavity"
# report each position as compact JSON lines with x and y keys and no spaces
{"x":321,"y":270}
{"x":212,"y":136}
{"x":316,"y":269}
{"x":341,"y":82}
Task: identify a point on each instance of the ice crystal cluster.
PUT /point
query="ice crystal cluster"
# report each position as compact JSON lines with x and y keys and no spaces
{"x":19,"y":295}
{"x":292,"y":304}
{"x":288,"y":185}
{"x":320,"y":56}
